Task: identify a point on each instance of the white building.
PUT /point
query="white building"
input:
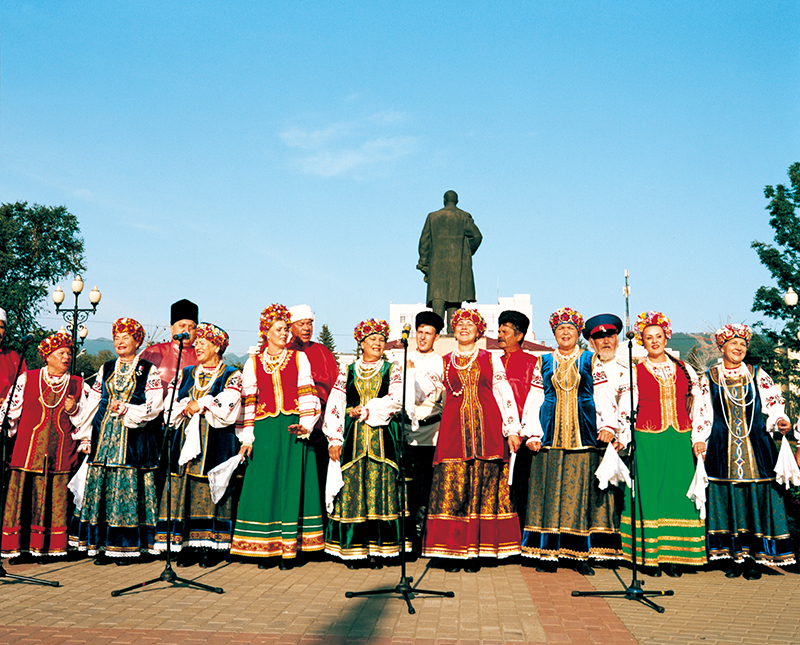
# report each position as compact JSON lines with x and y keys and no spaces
{"x":400,"y":315}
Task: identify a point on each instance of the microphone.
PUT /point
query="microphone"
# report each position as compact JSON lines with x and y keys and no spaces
{"x":406,"y":331}
{"x":183,"y":336}
{"x":630,"y":335}
{"x":27,"y":340}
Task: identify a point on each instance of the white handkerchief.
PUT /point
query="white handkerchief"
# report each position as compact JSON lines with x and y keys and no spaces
{"x":612,"y":470}
{"x":697,"y":489}
{"x":191,"y":446}
{"x":220,"y":476}
{"x":333,"y":483}
{"x":511,"y":461}
{"x":77,"y":485}
{"x":786,"y":470}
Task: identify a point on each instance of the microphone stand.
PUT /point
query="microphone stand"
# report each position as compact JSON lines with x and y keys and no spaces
{"x":634,"y":591}
{"x":404,"y":587}
{"x":4,"y":482}
{"x":168,"y":575}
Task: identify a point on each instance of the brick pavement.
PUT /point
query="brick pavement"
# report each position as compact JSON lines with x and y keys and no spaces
{"x":503,"y":604}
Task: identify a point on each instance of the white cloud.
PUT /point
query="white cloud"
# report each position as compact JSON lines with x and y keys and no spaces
{"x":364,"y":142}
{"x":329,"y":163}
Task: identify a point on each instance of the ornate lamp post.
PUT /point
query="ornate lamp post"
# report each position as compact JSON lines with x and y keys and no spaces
{"x":75,"y":317}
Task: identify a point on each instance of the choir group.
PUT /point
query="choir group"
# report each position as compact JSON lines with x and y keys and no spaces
{"x":505,"y":454}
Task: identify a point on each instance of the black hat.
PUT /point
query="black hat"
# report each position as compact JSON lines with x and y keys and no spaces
{"x":520,"y":321}
{"x":183,"y":310}
{"x":602,"y":325}
{"x":429,"y":318}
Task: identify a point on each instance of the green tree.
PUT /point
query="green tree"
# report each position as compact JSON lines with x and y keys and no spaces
{"x":38,"y":247}
{"x":325,"y":337}
{"x":783,"y":261}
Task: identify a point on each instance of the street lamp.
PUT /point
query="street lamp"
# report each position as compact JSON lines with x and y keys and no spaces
{"x":75,"y":317}
{"x":790,"y":297}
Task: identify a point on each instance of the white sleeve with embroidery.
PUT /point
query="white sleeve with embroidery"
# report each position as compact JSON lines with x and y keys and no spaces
{"x":531,"y":425}
{"x":377,"y":412}
{"x":771,"y":400}
{"x":16,"y":404}
{"x":136,"y":416}
{"x":504,"y":396}
{"x":179,"y":405}
{"x":333,"y":426}
{"x":222,"y":410}
{"x":247,"y":412}
{"x":89,"y":408}
{"x":702,"y":412}
{"x":604,"y":401}
{"x":307,"y":399}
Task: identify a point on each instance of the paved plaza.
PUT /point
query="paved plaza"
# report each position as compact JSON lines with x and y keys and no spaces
{"x":503,"y":604}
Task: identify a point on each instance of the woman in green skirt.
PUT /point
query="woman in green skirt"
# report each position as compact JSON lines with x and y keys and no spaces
{"x":362,"y":436}
{"x":280,"y":509}
{"x":669,"y":531}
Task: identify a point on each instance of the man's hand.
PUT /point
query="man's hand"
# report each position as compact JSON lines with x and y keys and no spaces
{"x":335,"y":453}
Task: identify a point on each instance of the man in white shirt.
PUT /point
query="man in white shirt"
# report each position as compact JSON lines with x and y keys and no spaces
{"x":602,"y":332}
{"x":424,"y":401}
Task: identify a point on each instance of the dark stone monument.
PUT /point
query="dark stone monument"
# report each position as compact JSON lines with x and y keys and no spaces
{"x":449,"y":240}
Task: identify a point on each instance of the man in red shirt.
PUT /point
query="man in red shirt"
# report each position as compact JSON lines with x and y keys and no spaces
{"x":183,"y":319}
{"x":324,"y":370}
{"x":519,"y":367}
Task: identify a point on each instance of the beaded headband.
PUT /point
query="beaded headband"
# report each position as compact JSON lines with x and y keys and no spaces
{"x":54,"y":342}
{"x":270,"y":316}
{"x":469,"y":314}
{"x":648,"y":318}
{"x":214,"y":335}
{"x":729,"y":332}
{"x":369,"y":327}
{"x":566,"y":316}
{"x":128,"y":326}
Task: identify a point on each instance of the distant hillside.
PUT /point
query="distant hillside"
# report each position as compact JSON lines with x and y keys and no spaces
{"x":683,"y":342}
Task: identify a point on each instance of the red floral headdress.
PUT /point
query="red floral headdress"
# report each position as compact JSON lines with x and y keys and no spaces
{"x":54,"y":342}
{"x":369,"y":327}
{"x":128,"y":326}
{"x":731,"y":331}
{"x":270,"y":316}
{"x":566,"y":316}
{"x":469,"y":314}
{"x":214,"y":335}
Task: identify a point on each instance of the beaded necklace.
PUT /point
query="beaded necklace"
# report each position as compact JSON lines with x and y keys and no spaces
{"x":455,"y":358}
{"x":210,"y":374}
{"x":740,"y":401}
{"x":57,"y":385}
{"x":563,"y":369}
{"x":272,"y":363}
{"x":664,"y":372}
{"x":123,"y":372}
{"x":366,"y":371}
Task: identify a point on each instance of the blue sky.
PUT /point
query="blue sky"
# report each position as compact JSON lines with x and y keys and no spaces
{"x":244,"y":153}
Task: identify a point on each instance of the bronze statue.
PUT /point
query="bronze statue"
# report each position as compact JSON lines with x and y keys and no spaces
{"x":449,"y":240}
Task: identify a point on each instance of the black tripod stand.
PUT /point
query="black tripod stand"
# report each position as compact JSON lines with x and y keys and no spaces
{"x":634,"y":591}
{"x":403,"y":588}
{"x":4,"y":482}
{"x":168,"y":574}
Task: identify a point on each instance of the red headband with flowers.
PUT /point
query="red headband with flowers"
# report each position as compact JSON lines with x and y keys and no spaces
{"x":54,"y":342}
{"x":729,"y":332}
{"x":369,"y":327}
{"x":469,"y":314}
{"x":128,"y":326}
{"x":648,"y":318}
{"x":566,"y":316}
{"x":270,"y":316}
{"x":214,"y":335}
